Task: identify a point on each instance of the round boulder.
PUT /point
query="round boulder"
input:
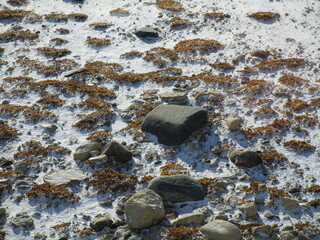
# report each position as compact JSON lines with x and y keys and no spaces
{"x":221,"y":230}
{"x":177,"y":188}
{"x":245,"y":158}
{"x":145,"y":208}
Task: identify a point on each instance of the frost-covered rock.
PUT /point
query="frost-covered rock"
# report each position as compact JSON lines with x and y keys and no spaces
{"x":116,"y":150}
{"x":233,"y":123}
{"x":22,"y":220}
{"x":145,"y":208}
{"x":173,"y":124}
{"x":65,"y":177}
{"x":245,"y":158}
{"x":189,"y":218}
{"x":221,"y":230}
{"x":82,"y":152}
{"x":177,"y":188}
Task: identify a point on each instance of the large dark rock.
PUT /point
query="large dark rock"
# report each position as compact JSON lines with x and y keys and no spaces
{"x":177,"y":188}
{"x":146,"y":32}
{"x":245,"y":158}
{"x":119,"y":152}
{"x":173,"y":124}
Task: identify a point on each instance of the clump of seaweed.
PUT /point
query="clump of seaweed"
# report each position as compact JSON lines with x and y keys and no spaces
{"x":57,"y":17}
{"x":132,"y":54}
{"x":173,"y":169}
{"x":18,"y":15}
{"x":100,"y":136}
{"x":56,"y":67}
{"x":63,"y":30}
{"x":182,"y":233}
{"x":255,"y":87}
{"x":109,"y":179}
{"x":92,"y":120}
{"x":296,"y":104}
{"x":119,"y":12}
{"x":277,"y":63}
{"x":170,"y":5}
{"x":216,"y":15}
{"x":223,"y":66}
{"x":81,"y":17}
{"x":272,"y":156}
{"x":299,"y":146}
{"x":18,"y":35}
{"x":265,"y":16}
{"x":292,"y":81}
{"x":59,"y":41}
{"x":18,"y":2}
{"x":51,"y":101}
{"x":177,"y":22}
{"x":95,"y":103}
{"x":7,"y":132}
{"x":52,"y":192}
{"x":216,"y":79}
{"x":306,"y":120}
{"x":193,"y":46}
{"x":100,"y":25}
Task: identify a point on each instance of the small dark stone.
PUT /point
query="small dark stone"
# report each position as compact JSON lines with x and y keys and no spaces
{"x":146,"y":32}
{"x":119,"y":152}
{"x":100,"y":222}
{"x":245,"y":158}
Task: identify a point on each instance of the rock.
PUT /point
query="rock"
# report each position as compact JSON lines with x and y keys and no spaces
{"x":249,"y":209}
{"x":145,"y":208}
{"x":99,"y":159}
{"x":220,"y":230}
{"x":260,"y":54}
{"x":95,"y":153}
{"x":21,"y":166}
{"x":146,"y":32}
{"x":5,"y":162}
{"x":24,"y":184}
{"x":65,"y":177}
{"x":116,"y":150}
{"x":82,"y":152}
{"x":262,"y":231}
{"x":245,"y":158}
{"x":2,"y":212}
{"x":289,"y":235}
{"x":74,"y":71}
{"x":173,"y":124}
{"x":289,"y":203}
{"x":49,"y":127}
{"x":173,"y":96}
{"x":177,"y":188}
{"x":40,"y":236}
{"x":187,"y":219}
{"x":22,"y":220}
{"x":100,"y":222}
{"x":233,"y":123}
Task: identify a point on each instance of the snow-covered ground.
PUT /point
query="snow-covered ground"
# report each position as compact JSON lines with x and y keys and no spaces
{"x":294,"y":35}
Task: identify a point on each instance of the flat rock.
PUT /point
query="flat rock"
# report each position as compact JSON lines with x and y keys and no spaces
{"x":173,"y":96}
{"x":173,"y":124}
{"x":99,"y":159}
{"x":145,"y":208}
{"x":65,"y":177}
{"x":221,"y":230}
{"x":289,"y":203}
{"x":177,"y":188}
{"x":245,"y":158}
{"x":74,"y":71}
{"x":262,"y":231}
{"x":22,"y":220}
{"x":147,"y":32}
{"x":49,"y":127}
{"x":82,"y":152}
{"x":187,"y":219}
{"x":116,"y":150}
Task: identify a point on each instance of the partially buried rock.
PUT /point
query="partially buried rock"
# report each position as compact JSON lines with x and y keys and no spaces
{"x":173,"y":96}
{"x":233,"y":123}
{"x":65,"y":177}
{"x":116,"y":150}
{"x":173,"y":124}
{"x":22,"y":220}
{"x":49,"y":127}
{"x":245,"y":158}
{"x":189,"y":218}
{"x":249,"y":209}
{"x":100,"y":222}
{"x":145,"y":208}
{"x":99,"y":159}
{"x":82,"y":152}
{"x":177,"y":188}
{"x":260,"y":54}
{"x":147,"y":32}
{"x":289,"y":203}
{"x":221,"y":230}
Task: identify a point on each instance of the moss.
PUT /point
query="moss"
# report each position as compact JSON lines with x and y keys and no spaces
{"x":18,"y":35}
{"x":275,"y":192}
{"x":296,"y":104}
{"x":16,"y":14}
{"x":11,"y":174}
{"x":56,"y":67}
{"x":177,"y":22}
{"x":78,"y":16}
{"x":275,"y":64}
{"x":52,"y":192}
{"x":315,"y":203}
{"x":109,"y":179}
{"x":216,"y":15}
{"x":272,"y":156}
{"x":100,"y":25}
{"x":95,"y":103}
{"x":144,"y":109}
{"x":216,"y":79}
{"x":193,"y":46}
{"x":265,"y":16}
{"x":256,"y":187}
{"x":90,"y":121}
{"x":51,"y":101}
{"x":98,"y":42}
{"x":292,"y":81}
{"x":223,"y":66}
{"x":306,"y":120}
{"x":300,"y":146}
{"x":59,"y":41}
{"x":182,"y":233}
{"x":146,"y":179}
{"x":57,"y":17}
{"x":61,"y":226}
{"x":255,"y":87}
{"x":7,"y":132}
{"x":170,"y":5}
{"x":18,"y":2}
{"x":313,"y":188}
{"x":132,"y":54}
{"x":53,"y":52}
{"x":100,"y":136}
{"x":173,"y":169}
{"x":63,"y":30}
{"x":120,"y":12}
